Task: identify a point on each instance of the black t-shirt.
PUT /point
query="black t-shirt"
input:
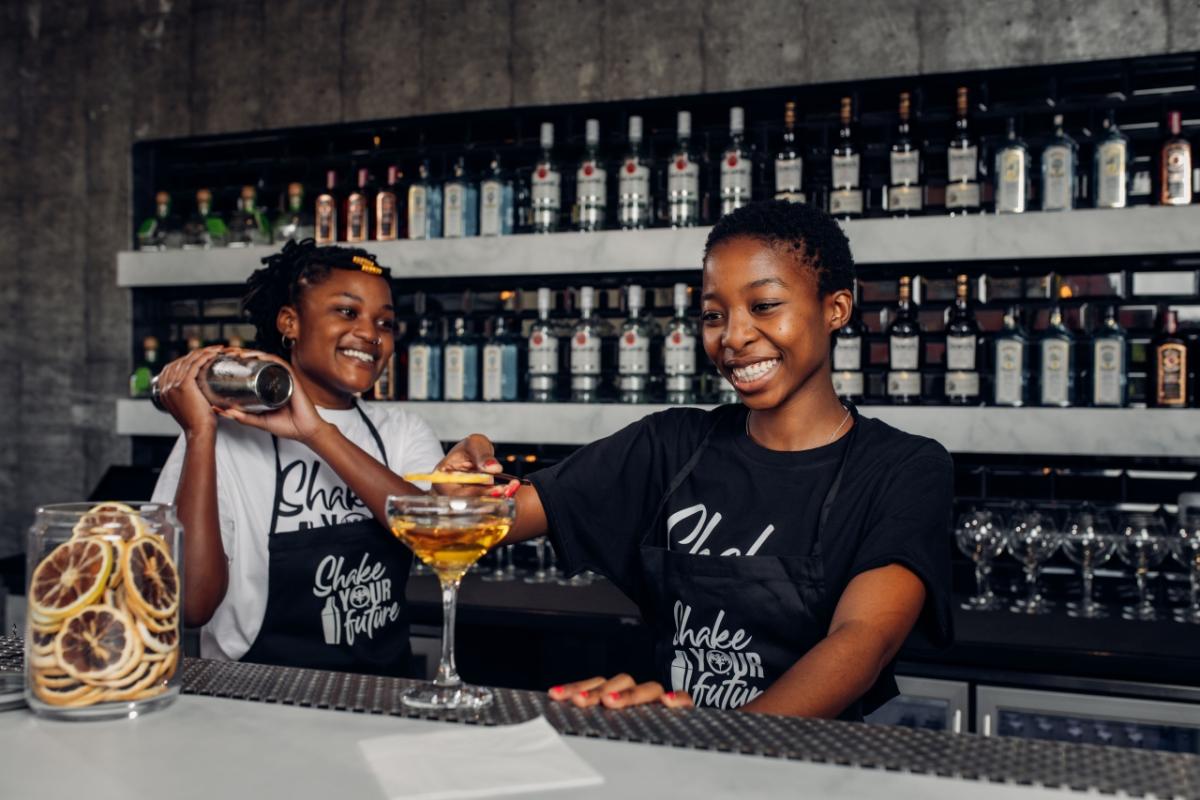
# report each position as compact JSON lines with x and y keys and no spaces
{"x":892,"y":505}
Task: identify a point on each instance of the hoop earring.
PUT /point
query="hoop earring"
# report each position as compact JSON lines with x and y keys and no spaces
{"x":287,"y":342}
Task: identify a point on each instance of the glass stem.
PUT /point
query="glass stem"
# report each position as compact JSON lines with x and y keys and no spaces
{"x":1089,"y":576}
{"x":1032,"y":572}
{"x":447,"y":673}
{"x":980,"y":579}
{"x":1196,"y":586}
{"x":1142,"y":585}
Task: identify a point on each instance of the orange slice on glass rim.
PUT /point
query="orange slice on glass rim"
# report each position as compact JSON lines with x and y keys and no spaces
{"x":73,"y":576}
{"x":151,"y":582}
{"x":476,"y":478}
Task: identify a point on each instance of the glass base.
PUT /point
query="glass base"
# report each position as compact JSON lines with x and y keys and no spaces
{"x":498,"y":575}
{"x":582,"y":579}
{"x":1037,"y":605}
{"x":1140,"y":613}
{"x":1084,"y":610}
{"x":130,"y":709}
{"x":982,"y":602}
{"x":544,"y":576}
{"x":1190,"y":615}
{"x":457,"y":697}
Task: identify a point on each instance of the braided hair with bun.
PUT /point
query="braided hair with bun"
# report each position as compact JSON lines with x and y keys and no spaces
{"x":285,"y":277}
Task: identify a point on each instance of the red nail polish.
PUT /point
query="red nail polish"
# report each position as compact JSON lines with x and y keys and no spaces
{"x":556,"y":690}
{"x":669,"y":695}
{"x":614,"y":695}
{"x":584,"y":694}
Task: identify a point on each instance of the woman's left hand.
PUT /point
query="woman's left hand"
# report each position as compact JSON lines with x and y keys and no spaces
{"x":621,"y":691}
{"x":297,"y":420}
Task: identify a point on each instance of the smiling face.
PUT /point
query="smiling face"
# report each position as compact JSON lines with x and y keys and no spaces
{"x":344,"y":331}
{"x":765,"y":325}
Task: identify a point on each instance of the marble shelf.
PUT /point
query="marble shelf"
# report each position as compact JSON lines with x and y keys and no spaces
{"x":932,"y":239}
{"x":1073,"y":431}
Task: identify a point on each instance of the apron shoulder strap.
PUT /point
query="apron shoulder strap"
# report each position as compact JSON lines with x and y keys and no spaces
{"x":718,"y":416}
{"x":278,"y":487}
{"x":374,"y":433}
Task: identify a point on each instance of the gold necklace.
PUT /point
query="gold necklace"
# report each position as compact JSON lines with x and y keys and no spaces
{"x":832,"y":436}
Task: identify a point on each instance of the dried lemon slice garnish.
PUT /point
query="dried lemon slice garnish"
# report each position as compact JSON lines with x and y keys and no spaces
{"x":477,"y":478}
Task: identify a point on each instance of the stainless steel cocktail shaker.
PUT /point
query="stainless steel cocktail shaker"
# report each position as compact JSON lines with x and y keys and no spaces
{"x":248,"y":384}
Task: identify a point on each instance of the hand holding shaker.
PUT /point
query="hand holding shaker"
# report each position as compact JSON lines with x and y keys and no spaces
{"x":242,"y":382}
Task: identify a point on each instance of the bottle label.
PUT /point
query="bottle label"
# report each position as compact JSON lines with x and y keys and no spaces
{"x":1110,"y":189}
{"x":905,"y":198}
{"x":546,"y":187}
{"x":633,"y":355}
{"x":387,"y":220}
{"x":789,"y":174}
{"x":1058,"y":172}
{"x":590,"y":183}
{"x":904,"y":384}
{"x":326,"y":220}
{"x":1010,"y":373}
{"x":962,"y":164}
{"x":461,"y":372}
{"x":418,"y":372}
{"x":357,"y":227}
{"x":543,"y":354}
{"x":585,"y":354}
{"x":962,"y":384}
{"x":417,"y":213}
{"x":634,"y":180}
{"x":960,"y":353}
{"x":962,"y":195}
{"x":495,"y":208}
{"x":735,"y":175}
{"x":1177,"y":180}
{"x":847,"y":353}
{"x":848,"y":384}
{"x":1056,"y":373}
{"x":845,"y":201}
{"x":683,"y":179}
{"x":906,"y":168}
{"x":1108,"y":372}
{"x":845,"y":172}
{"x":499,"y":372}
{"x":904,"y":352}
{"x":455,"y":224}
{"x":679,"y":353}
{"x":1172,"y":375}
{"x":1010,"y":186}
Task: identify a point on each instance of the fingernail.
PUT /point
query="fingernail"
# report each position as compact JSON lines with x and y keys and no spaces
{"x":669,"y":695}
{"x":584,"y":693}
{"x":491,"y":462}
{"x":496,"y":493}
{"x":614,"y":695}
{"x":556,"y":690}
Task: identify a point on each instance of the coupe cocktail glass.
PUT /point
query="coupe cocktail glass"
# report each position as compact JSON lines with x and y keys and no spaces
{"x":1088,"y":541}
{"x":980,"y":537}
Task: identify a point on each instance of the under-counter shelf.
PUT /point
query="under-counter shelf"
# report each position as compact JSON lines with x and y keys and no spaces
{"x":1071,"y":431}
{"x":932,"y":239}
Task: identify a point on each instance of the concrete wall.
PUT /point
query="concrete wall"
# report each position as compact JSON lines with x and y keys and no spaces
{"x":81,"y":81}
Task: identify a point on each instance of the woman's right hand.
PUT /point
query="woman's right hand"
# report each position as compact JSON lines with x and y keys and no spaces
{"x":179,"y":391}
{"x":476,"y":453}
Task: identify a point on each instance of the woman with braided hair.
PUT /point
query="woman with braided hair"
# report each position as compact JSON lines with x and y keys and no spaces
{"x":289,"y":560}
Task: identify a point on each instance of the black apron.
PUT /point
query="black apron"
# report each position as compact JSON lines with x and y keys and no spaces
{"x":335,"y":594}
{"x":727,"y":627}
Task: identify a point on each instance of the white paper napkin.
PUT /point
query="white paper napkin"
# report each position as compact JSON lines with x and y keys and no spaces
{"x":463,"y":761}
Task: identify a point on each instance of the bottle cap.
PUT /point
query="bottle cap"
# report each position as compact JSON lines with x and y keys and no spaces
{"x":162,"y":199}
{"x":1058,"y":120}
{"x":545,"y":300}
{"x":961,"y":101}
{"x":592,"y":133}
{"x":789,"y":114}
{"x":636,"y":298}
{"x":392,"y":174}
{"x":1174,"y":122}
{"x":635,"y":129}
{"x":248,"y":192}
{"x":547,"y":135}
{"x":847,"y":111}
{"x":330,"y":179}
{"x":587,"y":297}
{"x":681,"y":295}
{"x":737,"y":120}
{"x":905,"y":105}
{"x":683,"y":124}
{"x":295,"y":188}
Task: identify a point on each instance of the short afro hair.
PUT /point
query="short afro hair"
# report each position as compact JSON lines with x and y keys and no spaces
{"x":814,"y":237}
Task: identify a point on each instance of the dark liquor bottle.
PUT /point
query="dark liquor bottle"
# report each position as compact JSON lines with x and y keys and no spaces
{"x":248,"y":225}
{"x":905,"y":193}
{"x":141,"y":379}
{"x":962,"y":163}
{"x":962,"y":348}
{"x":789,"y":164}
{"x":358,"y":209}
{"x":1168,"y":364}
{"x":845,"y":196}
{"x":848,"y":356}
{"x":1056,"y":363}
{"x":162,"y":231}
{"x":204,"y":227}
{"x":326,"y":213}
{"x":904,"y":350}
{"x":1175,"y":181}
{"x":1109,"y":360}
{"x":387,"y":208}
{"x":1010,"y":358}
{"x":295,"y":222}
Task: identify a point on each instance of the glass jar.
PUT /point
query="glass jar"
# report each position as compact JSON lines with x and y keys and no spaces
{"x":104,"y":593}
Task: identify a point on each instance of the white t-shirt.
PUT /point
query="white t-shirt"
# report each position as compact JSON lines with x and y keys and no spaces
{"x":313,"y":496}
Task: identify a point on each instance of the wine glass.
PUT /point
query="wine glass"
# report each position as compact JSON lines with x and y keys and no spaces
{"x":1185,"y":547}
{"x":980,"y":537}
{"x":503,"y":568}
{"x":1142,"y":545}
{"x":543,"y":573}
{"x":1032,"y":539}
{"x":1088,"y":541}
{"x":449,"y":533}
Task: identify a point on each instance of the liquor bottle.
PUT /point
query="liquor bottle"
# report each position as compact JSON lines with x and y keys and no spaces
{"x":248,"y":225}
{"x":962,"y":163}
{"x":546,"y":186}
{"x":495,"y":202}
{"x":633,"y":184}
{"x":639,"y":334}
{"x":461,"y":202}
{"x":679,"y":351}
{"x":1059,"y":159}
{"x":1110,"y":166}
{"x":1012,"y":173}
{"x":358,"y":209}
{"x":387,"y":387}
{"x":1056,"y":367}
{"x":683,"y":178}
{"x":461,"y":362}
{"x":326,"y":214}
{"x":501,"y":363}
{"x":904,"y":350}
{"x":725,"y":392}
{"x":591,"y":182}
{"x":295,"y":222}
{"x":789,"y":164}
{"x":205,"y":227}
{"x":905,"y":193}
{"x":1175,"y":182}
{"x":586,"y":341}
{"x":543,"y":352}
{"x":848,"y":379}
{"x":1168,"y":364}
{"x":424,"y":206}
{"x":163,"y":230}
{"x":737,"y":165}
{"x":140,"y":380}
{"x":1010,"y":362}
{"x":1109,"y":360}
{"x":387,"y":208}
{"x":962,"y":348}
{"x":425,"y":356}
{"x":845,"y":196}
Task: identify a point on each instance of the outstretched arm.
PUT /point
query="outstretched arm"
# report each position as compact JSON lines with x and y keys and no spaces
{"x":476,"y":453}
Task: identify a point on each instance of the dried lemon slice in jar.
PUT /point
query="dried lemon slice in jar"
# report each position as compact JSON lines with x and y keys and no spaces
{"x":477,"y":478}
{"x":96,"y":644}
{"x":151,"y":582}
{"x":73,"y":576}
